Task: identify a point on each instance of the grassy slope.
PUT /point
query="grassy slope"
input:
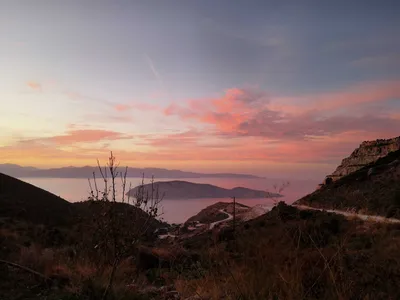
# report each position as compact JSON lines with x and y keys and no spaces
{"x":292,"y":254}
{"x":285,"y":254}
{"x":378,"y":193}
{"x":54,"y":237}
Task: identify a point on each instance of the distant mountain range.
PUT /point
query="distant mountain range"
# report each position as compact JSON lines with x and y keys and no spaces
{"x":188,"y":190}
{"x":87,"y":171}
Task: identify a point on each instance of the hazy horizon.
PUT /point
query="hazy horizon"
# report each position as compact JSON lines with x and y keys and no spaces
{"x":268,"y":88}
{"x":26,"y":171}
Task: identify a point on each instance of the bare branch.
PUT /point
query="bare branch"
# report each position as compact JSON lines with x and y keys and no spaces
{"x":25,"y":269}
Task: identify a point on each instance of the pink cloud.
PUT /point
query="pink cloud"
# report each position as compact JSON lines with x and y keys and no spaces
{"x":36,"y":86}
{"x":82,"y":136}
{"x":108,"y":117}
{"x":73,"y":126}
{"x":183,"y":150}
{"x":241,"y":112}
{"x":359,"y":94}
{"x":242,"y":125}
{"x":226,"y":112}
{"x":171,"y":140}
{"x":122,"y":107}
{"x":136,"y":106}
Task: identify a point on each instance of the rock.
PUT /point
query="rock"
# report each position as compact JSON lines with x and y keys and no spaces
{"x":368,"y":152}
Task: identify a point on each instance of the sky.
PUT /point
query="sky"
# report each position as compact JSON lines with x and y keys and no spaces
{"x":273,"y":88}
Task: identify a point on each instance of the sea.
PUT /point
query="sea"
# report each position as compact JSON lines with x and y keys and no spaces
{"x":178,"y":211}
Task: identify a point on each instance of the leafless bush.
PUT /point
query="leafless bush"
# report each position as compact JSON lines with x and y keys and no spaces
{"x":278,"y":189}
{"x":122,"y":221}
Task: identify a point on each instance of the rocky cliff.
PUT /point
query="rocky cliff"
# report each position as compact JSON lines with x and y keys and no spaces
{"x":371,"y":190}
{"x":368,"y":152}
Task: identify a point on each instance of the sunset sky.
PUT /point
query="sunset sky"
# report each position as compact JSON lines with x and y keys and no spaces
{"x":274,"y":88}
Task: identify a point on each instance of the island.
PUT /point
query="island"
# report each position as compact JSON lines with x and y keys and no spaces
{"x":178,"y":189}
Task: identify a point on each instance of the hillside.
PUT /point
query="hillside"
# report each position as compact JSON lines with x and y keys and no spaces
{"x":293,"y":254}
{"x":188,"y":190}
{"x":47,"y":242}
{"x":221,"y":210}
{"x":216,"y":212}
{"x":373,"y":189}
{"x":283,"y":254}
{"x":22,"y":200}
{"x":26,"y":202}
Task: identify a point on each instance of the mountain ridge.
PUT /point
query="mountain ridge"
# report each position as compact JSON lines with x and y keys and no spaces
{"x":15,"y":170}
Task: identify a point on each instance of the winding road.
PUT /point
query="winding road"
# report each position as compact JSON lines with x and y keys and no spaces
{"x":370,"y":218}
{"x":230,"y":217}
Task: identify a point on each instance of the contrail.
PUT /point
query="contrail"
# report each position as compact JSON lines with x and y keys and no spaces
{"x":157,"y":75}
{"x":152,"y":67}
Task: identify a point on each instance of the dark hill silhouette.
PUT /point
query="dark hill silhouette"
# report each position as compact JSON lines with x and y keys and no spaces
{"x":26,"y":202}
{"x":22,"y":200}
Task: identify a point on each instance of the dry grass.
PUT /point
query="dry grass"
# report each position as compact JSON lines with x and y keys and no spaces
{"x":287,"y":254}
{"x":7,"y":233}
{"x":37,"y":258}
{"x":310,"y":255}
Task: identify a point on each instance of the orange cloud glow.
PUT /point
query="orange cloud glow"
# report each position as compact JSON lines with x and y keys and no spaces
{"x":137,"y":106}
{"x":34,"y":85}
{"x":122,"y":107}
{"x":241,"y":112}
{"x":241,"y":127}
{"x":226,"y":113}
{"x":82,"y":136}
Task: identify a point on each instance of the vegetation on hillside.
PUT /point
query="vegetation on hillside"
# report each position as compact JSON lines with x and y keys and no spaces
{"x":285,"y":254}
{"x":104,"y":250}
{"x":374,"y":189}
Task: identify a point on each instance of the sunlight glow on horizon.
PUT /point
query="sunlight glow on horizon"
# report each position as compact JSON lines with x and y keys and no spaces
{"x":187,"y":87}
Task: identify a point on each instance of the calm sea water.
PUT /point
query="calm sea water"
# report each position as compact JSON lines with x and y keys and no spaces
{"x":178,"y":211}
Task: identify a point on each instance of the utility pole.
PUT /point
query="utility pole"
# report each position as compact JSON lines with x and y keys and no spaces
{"x":234,"y":215}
